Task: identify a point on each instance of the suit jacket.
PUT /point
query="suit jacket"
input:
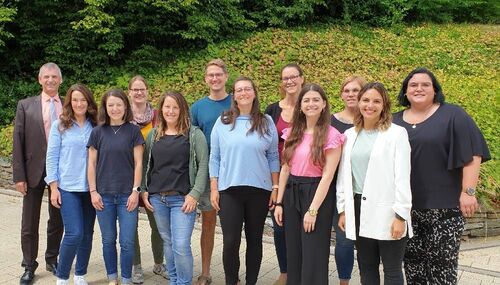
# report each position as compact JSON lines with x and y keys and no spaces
{"x":387,"y":185}
{"x":29,"y":142}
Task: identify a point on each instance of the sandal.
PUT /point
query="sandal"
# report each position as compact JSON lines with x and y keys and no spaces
{"x":204,"y":280}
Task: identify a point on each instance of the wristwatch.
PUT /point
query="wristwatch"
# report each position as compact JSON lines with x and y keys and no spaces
{"x":312,"y":212}
{"x":137,"y":189}
{"x":470,"y":191}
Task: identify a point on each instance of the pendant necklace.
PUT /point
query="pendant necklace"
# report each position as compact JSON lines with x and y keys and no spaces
{"x":426,"y":116}
{"x":116,"y":130}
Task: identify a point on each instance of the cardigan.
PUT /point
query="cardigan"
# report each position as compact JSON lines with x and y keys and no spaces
{"x":386,"y":191}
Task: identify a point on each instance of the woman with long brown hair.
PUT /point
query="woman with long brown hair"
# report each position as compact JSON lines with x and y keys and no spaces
{"x":67,"y":147}
{"x":243,"y":169}
{"x":305,"y":200}
{"x":174,"y":178}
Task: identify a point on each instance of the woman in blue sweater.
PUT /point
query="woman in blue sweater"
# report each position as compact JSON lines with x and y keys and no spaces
{"x":244,"y":169}
{"x":67,"y":147}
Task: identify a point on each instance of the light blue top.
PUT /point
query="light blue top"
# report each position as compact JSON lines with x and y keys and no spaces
{"x":239,"y":158}
{"x":360,"y":156}
{"x":67,"y":157}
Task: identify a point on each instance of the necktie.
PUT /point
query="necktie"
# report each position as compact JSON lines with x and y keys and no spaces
{"x":52,"y":111}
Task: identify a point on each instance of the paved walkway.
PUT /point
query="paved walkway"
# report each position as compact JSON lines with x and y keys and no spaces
{"x":479,"y":259}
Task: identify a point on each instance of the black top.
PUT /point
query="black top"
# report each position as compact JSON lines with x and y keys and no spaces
{"x":440,"y":147}
{"x":170,"y":165}
{"x":115,"y":157}
{"x":340,"y":126}
{"x":274,"y":110}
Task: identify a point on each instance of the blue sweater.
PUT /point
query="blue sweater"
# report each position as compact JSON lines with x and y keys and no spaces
{"x":205,"y":112}
{"x":239,"y":158}
{"x":67,"y":157}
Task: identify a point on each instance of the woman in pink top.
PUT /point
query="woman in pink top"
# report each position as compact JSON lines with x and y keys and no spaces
{"x":305,"y":202}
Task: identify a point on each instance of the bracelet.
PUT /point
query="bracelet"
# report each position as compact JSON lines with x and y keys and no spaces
{"x":278,"y":204}
{"x":92,"y":191}
{"x":275,"y":187}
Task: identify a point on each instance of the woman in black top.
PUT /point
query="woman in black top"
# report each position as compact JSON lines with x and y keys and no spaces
{"x":447,"y":149}
{"x":292,"y":79}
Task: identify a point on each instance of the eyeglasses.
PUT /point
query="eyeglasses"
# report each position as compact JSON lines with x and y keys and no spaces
{"x":138,"y":90}
{"x":214,"y":75}
{"x":246,"y":89}
{"x":292,"y":78}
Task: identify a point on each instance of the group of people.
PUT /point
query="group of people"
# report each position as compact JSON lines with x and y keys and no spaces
{"x":394,"y":186}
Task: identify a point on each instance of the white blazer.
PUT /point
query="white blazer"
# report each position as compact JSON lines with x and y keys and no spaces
{"x":387,"y":185}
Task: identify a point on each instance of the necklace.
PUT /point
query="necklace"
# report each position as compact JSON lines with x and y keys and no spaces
{"x":115,"y":131}
{"x":425,"y":116}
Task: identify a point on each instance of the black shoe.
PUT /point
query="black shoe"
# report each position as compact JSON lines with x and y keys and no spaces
{"x":51,"y":267}
{"x":27,"y":277}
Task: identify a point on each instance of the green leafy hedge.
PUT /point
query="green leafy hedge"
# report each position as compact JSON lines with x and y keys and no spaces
{"x":463,"y":57}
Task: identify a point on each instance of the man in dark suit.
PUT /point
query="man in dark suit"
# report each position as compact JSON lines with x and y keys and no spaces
{"x":34,"y":116}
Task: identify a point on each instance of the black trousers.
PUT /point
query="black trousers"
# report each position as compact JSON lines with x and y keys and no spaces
{"x":372,"y":251}
{"x":242,"y":205}
{"x":30,"y":222}
{"x":307,"y":253}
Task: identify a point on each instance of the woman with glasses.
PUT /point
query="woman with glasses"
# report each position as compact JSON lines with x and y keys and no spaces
{"x":114,"y":176}
{"x":175,"y":177}
{"x":292,"y":79}
{"x":145,"y":116}
{"x":306,"y":198}
{"x":243,"y":168}
{"x":343,"y":120}
{"x":68,"y":184}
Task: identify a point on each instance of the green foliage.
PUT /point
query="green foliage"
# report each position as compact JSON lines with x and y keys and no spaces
{"x":6,"y":141}
{"x":6,"y":15}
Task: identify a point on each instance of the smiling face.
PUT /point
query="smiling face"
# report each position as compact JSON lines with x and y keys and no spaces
{"x":216,"y":78}
{"x":371,"y":105}
{"x":115,"y":107}
{"x":138,"y":92}
{"x":350,"y":94}
{"x":312,"y":104}
{"x":291,"y":80}
{"x":244,"y":94}
{"x":79,"y":104}
{"x":420,"y":90}
{"x":50,"y":80}
{"x":170,"y":111}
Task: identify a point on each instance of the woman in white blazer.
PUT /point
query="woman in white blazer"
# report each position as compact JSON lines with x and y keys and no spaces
{"x":373,"y":188}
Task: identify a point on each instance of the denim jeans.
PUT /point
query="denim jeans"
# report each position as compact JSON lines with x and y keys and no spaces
{"x":279,"y":244}
{"x":344,"y":251}
{"x":78,"y":217}
{"x":115,"y":208}
{"x":175,"y":229}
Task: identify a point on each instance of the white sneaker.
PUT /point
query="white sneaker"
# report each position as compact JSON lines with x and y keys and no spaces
{"x":161,"y":269}
{"x":79,"y":280}
{"x":62,"y":282}
{"x":137,"y":275}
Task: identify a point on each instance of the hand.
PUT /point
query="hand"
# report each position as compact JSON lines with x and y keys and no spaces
{"x":468,"y":204}
{"x":214,"y":199}
{"x":132,"y":201}
{"x":278,"y":215}
{"x":272,"y":199}
{"x":342,"y":221}
{"x":96,"y":200}
{"x":397,"y":228}
{"x":309,"y":222}
{"x":21,"y":187}
{"x":189,"y":204}
{"x":55,"y":198}
{"x":145,"y":200}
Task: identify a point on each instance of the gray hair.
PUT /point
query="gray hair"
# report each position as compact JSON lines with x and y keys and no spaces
{"x":49,"y":65}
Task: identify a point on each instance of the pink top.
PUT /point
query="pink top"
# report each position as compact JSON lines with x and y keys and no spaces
{"x":281,"y":125}
{"x":301,"y":163}
{"x":46,"y":111}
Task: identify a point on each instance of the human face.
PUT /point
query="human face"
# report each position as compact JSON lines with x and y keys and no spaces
{"x":291,"y":80}
{"x":420,"y":90}
{"x":170,"y":111}
{"x":312,"y":104}
{"x":79,"y":104}
{"x":50,"y":80}
{"x":244,"y":94}
{"x":350,"y":94}
{"x":370,"y":105}
{"x":138,"y":92}
{"x":115,"y":107}
{"x":216,"y":78}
